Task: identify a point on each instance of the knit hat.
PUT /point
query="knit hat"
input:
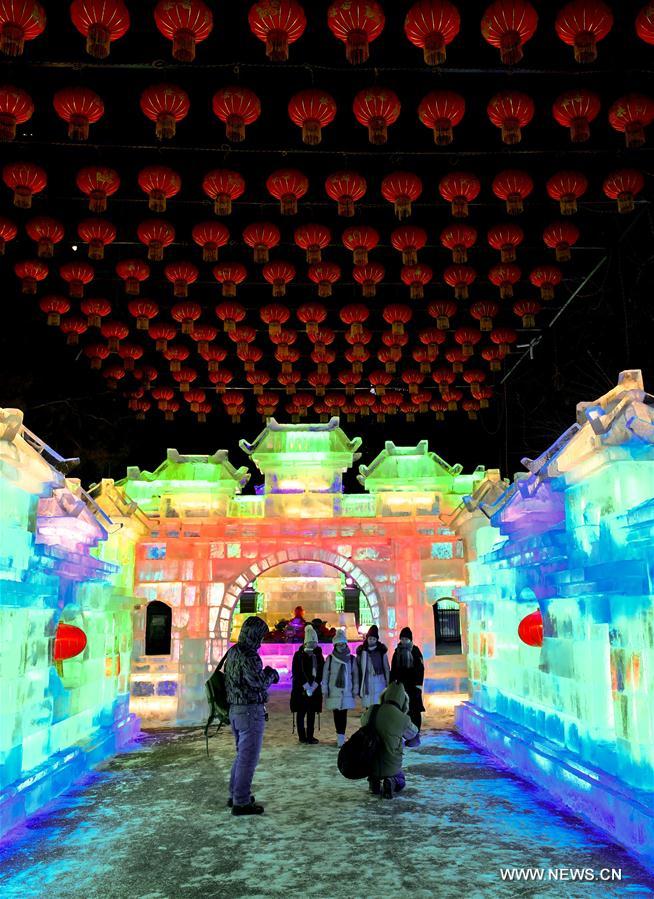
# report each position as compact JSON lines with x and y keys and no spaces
{"x":339,"y":636}
{"x":406,"y":632}
{"x":310,"y":636}
{"x":373,"y":631}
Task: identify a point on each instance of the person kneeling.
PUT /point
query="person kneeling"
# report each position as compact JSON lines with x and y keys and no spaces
{"x":393,"y":725}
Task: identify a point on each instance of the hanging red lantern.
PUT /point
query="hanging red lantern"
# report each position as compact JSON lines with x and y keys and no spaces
{"x":257,"y":380}
{"x":165,"y":104}
{"x":213,"y":355}
{"x":185,"y":23}
{"x":484,"y":311}
{"x":413,"y":379}
{"x":236,"y":107}
{"x":442,"y":111}
{"x":432,"y":338}
{"x":354,"y":315}
{"x":560,"y":236}
{"x":114,"y":332}
{"x":156,"y":234}
{"x":467,"y":338}
{"x":504,"y":276}
{"x":645,"y":24}
{"x":460,"y":277}
{"x":288,"y":377}
{"x":416,"y":277}
{"x":98,"y":182}
{"x":439,"y":407}
{"x":221,"y":378}
{"x":424,"y":357}
{"x":513,"y":186}
{"x":20,"y":21}
{"x":483,"y":395}
{"x":180,"y":275}
{"x":77,"y":275}
{"x":312,"y":110}
{"x":277,"y":24}
{"x":16,"y":108}
{"x":530,"y":629}
{"x":581,"y":24}
{"x":368,"y":276}
{"x":623,"y":186}
{"x":346,"y":188}
{"x":162,"y":396}
{"x":567,"y":188}
{"x":54,"y":307}
{"x":185,"y":377}
{"x":230,"y":275}
{"x":25,"y":180}
{"x":210,"y":236}
{"x":442,"y":311}
{"x":527,"y":310}
{"x":146,"y":375}
{"x":408,"y":241}
{"x":230,"y":314}
{"x":46,"y":232}
{"x":504,"y":338}
{"x":364,"y":402}
{"x":444,"y":377}
{"x":360,"y":241}
{"x":432,"y":25}
{"x":508,"y":25}
{"x":631,"y":115}
{"x":511,"y":111}
{"x":30,"y":272}
{"x":101,"y":22}
{"x":97,"y":233}
{"x":319,"y":380}
{"x":506,"y":238}
{"x":287,"y":186}
{"x":302,"y":402}
{"x":324,"y":274}
{"x":223,"y":187}
{"x":379,"y":381}
{"x":130,"y":353}
{"x":397,"y":315}
{"x":8,"y":231}
{"x":459,"y":239}
{"x":69,"y":641}
{"x":576,"y":109}
{"x":267,"y":404}
{"x":161,"y":333}
{"x":279,"y":274}
{"x":322,"y":358}
{"x":132,"y":272}
{"x":349,"y":379}
{"x":459,"y":189}
{"x":160,"y":183}
{"x":262,"y":237}
{"x":546,"y":278}
{"x":114,"y":374}
{"x":204,"y":335}
{"x":143,"y":311}
{"x":401,"y":189}
{"x":494,"y":355}
{"x":175,"y":353}
{"x":376,"y":108}
{"x":79,"y":107}
{"x":357,"y":23}
{"x":312,"y":239}
{"x":311,"y":315}
{"x":249,"y":356}
{"x":96,"y":353}
{"x":186,"y":314}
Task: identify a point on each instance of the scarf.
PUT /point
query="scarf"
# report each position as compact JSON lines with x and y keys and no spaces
{"x":310,"y":656}
{"x":376,"y":660}
{"x":405,"y":655}
{"x":341,"y":658}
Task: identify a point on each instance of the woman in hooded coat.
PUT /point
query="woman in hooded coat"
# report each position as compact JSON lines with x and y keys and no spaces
{"x":306,"y":692}
{"x":374,"y":672}
{"x":408,"y":668}
{"x":393,"y":726}
{"x":340,"y":683}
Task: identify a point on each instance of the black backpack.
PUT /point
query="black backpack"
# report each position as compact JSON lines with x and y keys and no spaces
{"x":216,"y":690}
{"x":357,"y":755}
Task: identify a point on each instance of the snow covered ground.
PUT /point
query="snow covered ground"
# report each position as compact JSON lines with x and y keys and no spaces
{"x":152,"y":824}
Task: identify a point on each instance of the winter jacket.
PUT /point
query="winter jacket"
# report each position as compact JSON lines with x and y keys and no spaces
{"x":393,"y":725}
{"x":302,"y":674}
{"x":372,"y":685}
{"x":410,"y":678}
{"x":246,"y":679}
{"x":340,"y":697}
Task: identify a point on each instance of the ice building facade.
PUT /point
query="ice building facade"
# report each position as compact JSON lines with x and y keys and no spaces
{"x":573,"y":539}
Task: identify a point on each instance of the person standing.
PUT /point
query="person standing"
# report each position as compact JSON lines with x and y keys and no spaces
{"x":340,"y":683}
{"x":374,"y":672}
{"x":306,"y":692}
{"x":408,"y":668}
{"x":393,"y":725}
{"x":247,"y":682}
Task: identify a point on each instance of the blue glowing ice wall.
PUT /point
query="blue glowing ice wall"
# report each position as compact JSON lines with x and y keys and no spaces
{"x":56,"y":719}
{"x":574,"y":537}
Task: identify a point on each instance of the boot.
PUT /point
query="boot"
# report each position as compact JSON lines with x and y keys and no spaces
{"x":387,"y":789}
{"x":251,"y":809}
{"x":340,"y":739}
{"x":230,"y":801}
{"x":374,"y":785}
{"x":312,"y":741}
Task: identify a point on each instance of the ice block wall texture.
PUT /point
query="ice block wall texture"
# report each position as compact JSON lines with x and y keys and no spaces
{"x":574,"y":537}
{"x":55,"y":721}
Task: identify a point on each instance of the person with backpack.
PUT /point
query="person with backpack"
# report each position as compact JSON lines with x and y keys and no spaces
{"x":247,"y":682}
{"x":306,"y":692}
{"x":340,"y":683}
{"x":408,"y":668}
{"x":391,"y":722}
{"x":374,"y":672}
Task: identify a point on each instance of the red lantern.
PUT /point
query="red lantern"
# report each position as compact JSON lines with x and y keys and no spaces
{"x":413,"y":379}
{"x":267,"y":404}
{"x":8,"y":231}
{"x":408,"y":241}
{"x":230,"y":275}
{"x":98,"y":182}
{"x":349,"y":379}
{"x":527,"y":310}
{"x":401,"y":189}
{"x":30,"y":273}
{"x":645,"y":24}
{"x":210,"y":236}
{"x":213,"y":355}
{"x":416,"y":277}
{"x":79,"y":107}
{"x":506,"y":238}
{"x":432,"y":25}
{"x":77,"y":275}
{"x":287,"y":186}
{"x":185,"y":23}
{"x":257,"y":380}
{"x":25,"y":179}
{"x":262,"y":237}
{"x":129,"y":353}
{"x":459,"y":239}
{"x":368,"y":276}
{"x":467,"y":338}
{"x":459,"y":189}
{"x":311,"y":315}
{"x":165,"y":104}
{"x":69,"y":641}
{"x":324,"y":274}
{"x":180,"y":275}
{"x":444,"y":377}
{"x":176,"y":354}
{"x":161,"y":333}
{"x":576,"y":109}
{"x":101,"y":22}
{"x":511,"y":111}
{"x":312,"y":239}
{"x":237,"y":107}
{"x":186,"y":314}
{"x":397,"y":315}
{"x":230,"y":314}
{"x":97,"y":233}
{"x":460,"y":277}
{"x":360,"y":241}
{"x":185,"y":377}
{"x":442,"y":111}
{"x":546,"y":278}
{"x":581,"y":24}
{"x":530,"y":629}
{"x":16,"y":107}
{"x":54,"y":307}
{"x":508,"y":25}
{"x":560,"y":236}
{"x":345,"y":188}
{"x":156,"y":234}
{"x":354,"y":315}
{"x":512,"y":186}
{"x":46,"y":232}
{"x":162,"y":396}
{"x":223,"y":186}
{"x":319,"y":380}
{"x":504,"y":338}
{"x":484,"y":311}
{"x":483,"y":394}
{"x":159,"y":183}
{"x":250,"y":355}
{"x":312,"y":110}
{"x":631,"y":115}
{"x":376,"y":108}
{"x":567,"y":188}
{"x":96,"y":353}
{"x":494,"y":355}
{"x":143,"y":311}
{"x":221,"y":377}
{"x":132,"y":272}
{"x":279,"y":274}
{"x":379,"y":381}
{"x":439,"y":408}
{"x":20,"y":21}
{"x":114,"y":332}
{"x":204,"y":335}
{"x":357,"y":23}
{"x":504,"y":276}
{"x":442,"y":311}
{"x":432,"y":338}
{"x":623,"y":186}
{"x":277,"y":24}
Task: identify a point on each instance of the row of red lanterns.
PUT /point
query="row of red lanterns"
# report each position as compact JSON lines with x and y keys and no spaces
{"x":376,"y":108}
{"x":429,"y":24}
